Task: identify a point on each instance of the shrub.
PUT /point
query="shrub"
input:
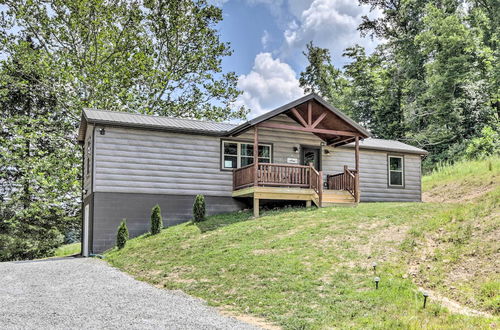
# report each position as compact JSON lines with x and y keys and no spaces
{"x":484,"y":145}
{"x":122,"y":235}
{"x":199,"y":208}
{"x":156,"y":220}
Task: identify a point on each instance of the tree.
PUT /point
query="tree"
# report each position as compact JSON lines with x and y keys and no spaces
{"x":321,"y":76}
{"x":363,"y":73}
{"x":152,"y":56}
{"x":39,"y":201}
{"x":455,"y":104}
{"x":486,"y":145}
{"x":156,"y":220}
{"x":57,"y":57}
{"x":444,"y":73}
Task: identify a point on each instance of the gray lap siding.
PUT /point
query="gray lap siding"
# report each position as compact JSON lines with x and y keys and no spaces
{"x":149,"y":162}
{"x":135,"y":169}
{"x":374,"y":174}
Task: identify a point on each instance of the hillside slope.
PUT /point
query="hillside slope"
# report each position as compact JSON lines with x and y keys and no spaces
{"x":301,"y":268}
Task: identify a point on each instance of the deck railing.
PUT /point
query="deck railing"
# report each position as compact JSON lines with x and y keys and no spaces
{"x":343,"y":181}
{"x":243,"y":177}
{"x":278,"y":175}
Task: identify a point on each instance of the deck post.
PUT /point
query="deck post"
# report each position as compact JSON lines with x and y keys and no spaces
{"x":255,"y":207}
{"x":356,"y":177}
{"x":255,"y":156}
{"x":308,"y":204}
{"x":320,"y":187}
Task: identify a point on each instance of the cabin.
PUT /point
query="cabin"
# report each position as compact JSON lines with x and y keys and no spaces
{"x":308,"y":152}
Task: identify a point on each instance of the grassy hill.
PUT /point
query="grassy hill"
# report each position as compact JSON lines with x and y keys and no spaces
{"x":312,"y":268}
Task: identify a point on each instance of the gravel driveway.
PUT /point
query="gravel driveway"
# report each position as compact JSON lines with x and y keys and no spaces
{"x":86,"y":293}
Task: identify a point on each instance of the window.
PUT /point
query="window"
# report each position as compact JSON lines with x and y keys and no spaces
{"x":89,"y":153}
{"x":239,"y":154}
{"x":396,"y":171}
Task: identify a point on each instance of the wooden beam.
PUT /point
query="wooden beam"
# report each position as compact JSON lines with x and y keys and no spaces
{"x":307,"y":129}
{"x":317,"y":121}
{"x":356,"y":178}
{"x":256,"y":207}
{"x":344,"y":141}
{"x":309,"y":114}
{"x":299,"y":117}
{"x":255,"y":155}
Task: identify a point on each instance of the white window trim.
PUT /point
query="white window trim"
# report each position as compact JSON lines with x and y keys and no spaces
{"x":238,"y":151}
{"x":402,"y":171}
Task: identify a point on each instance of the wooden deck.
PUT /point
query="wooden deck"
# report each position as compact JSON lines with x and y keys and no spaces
{"x":294,"y":182}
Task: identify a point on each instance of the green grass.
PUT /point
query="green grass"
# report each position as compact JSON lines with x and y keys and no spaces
{"x":301,"y":268}
{"x":464,"y":175}
{"x":68,"y":250}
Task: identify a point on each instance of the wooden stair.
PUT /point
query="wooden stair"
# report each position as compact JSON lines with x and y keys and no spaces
{"x":337,"y":198}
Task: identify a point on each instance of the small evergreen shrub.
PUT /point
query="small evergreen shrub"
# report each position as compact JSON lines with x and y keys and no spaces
{"x":156,"y":220}
{"x":122,"y":235}
{"x":199,"y":208}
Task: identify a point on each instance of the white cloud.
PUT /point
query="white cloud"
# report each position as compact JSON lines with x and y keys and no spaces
{"x":264,"y":40}
{"x":270,"y":84}
{"x":330,"y":24}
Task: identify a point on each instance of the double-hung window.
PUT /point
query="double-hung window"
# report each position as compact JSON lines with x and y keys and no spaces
{"x":396,"y":171}
{"x":239,"y":154}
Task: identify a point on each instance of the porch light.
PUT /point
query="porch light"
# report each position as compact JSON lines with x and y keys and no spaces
{"x":296,"y":149}
{"x":102,"y":131}
{"x":376,"y":279}
{"x":327,"y":152}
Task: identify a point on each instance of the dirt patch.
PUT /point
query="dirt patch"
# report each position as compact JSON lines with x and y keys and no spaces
{"x":176,"y":275}
{"x":457,"y":193}
{"x":452,"y":305}
{"x":383,"y":241}
{"x":478,"y":261}
{"x":253,"y":320}
{"x":263,"y":252}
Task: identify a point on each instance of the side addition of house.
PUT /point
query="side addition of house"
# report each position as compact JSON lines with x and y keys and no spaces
{"x":307,"y":151}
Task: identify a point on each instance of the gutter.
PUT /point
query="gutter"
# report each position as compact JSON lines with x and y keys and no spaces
{"x":403,"y":151}
{"x":158,"y":128}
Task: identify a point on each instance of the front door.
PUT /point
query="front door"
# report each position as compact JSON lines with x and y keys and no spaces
{"x":311,"y":155}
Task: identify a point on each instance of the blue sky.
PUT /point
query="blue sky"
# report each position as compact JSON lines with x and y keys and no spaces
{"x":268,"y":38}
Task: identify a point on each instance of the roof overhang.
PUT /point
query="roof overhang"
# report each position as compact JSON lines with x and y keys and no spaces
{"x":82,"y":129}
{"x":86,"y":120}
{"x":314,"y":115}
{"x":420,"y":152}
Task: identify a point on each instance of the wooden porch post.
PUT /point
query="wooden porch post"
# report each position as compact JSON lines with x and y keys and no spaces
{"x":255,"y":155}
{"x":356,"y":178}
{"x":255,"y":169}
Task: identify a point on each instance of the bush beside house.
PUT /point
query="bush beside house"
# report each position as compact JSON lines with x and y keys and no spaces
{"x":156,"y":220}
{"x":122,"y":235}
{"x":199,"y":208}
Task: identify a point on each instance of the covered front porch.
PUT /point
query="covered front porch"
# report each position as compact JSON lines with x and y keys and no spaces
{"x":306,"y":181}
{"x":294,"y":182}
